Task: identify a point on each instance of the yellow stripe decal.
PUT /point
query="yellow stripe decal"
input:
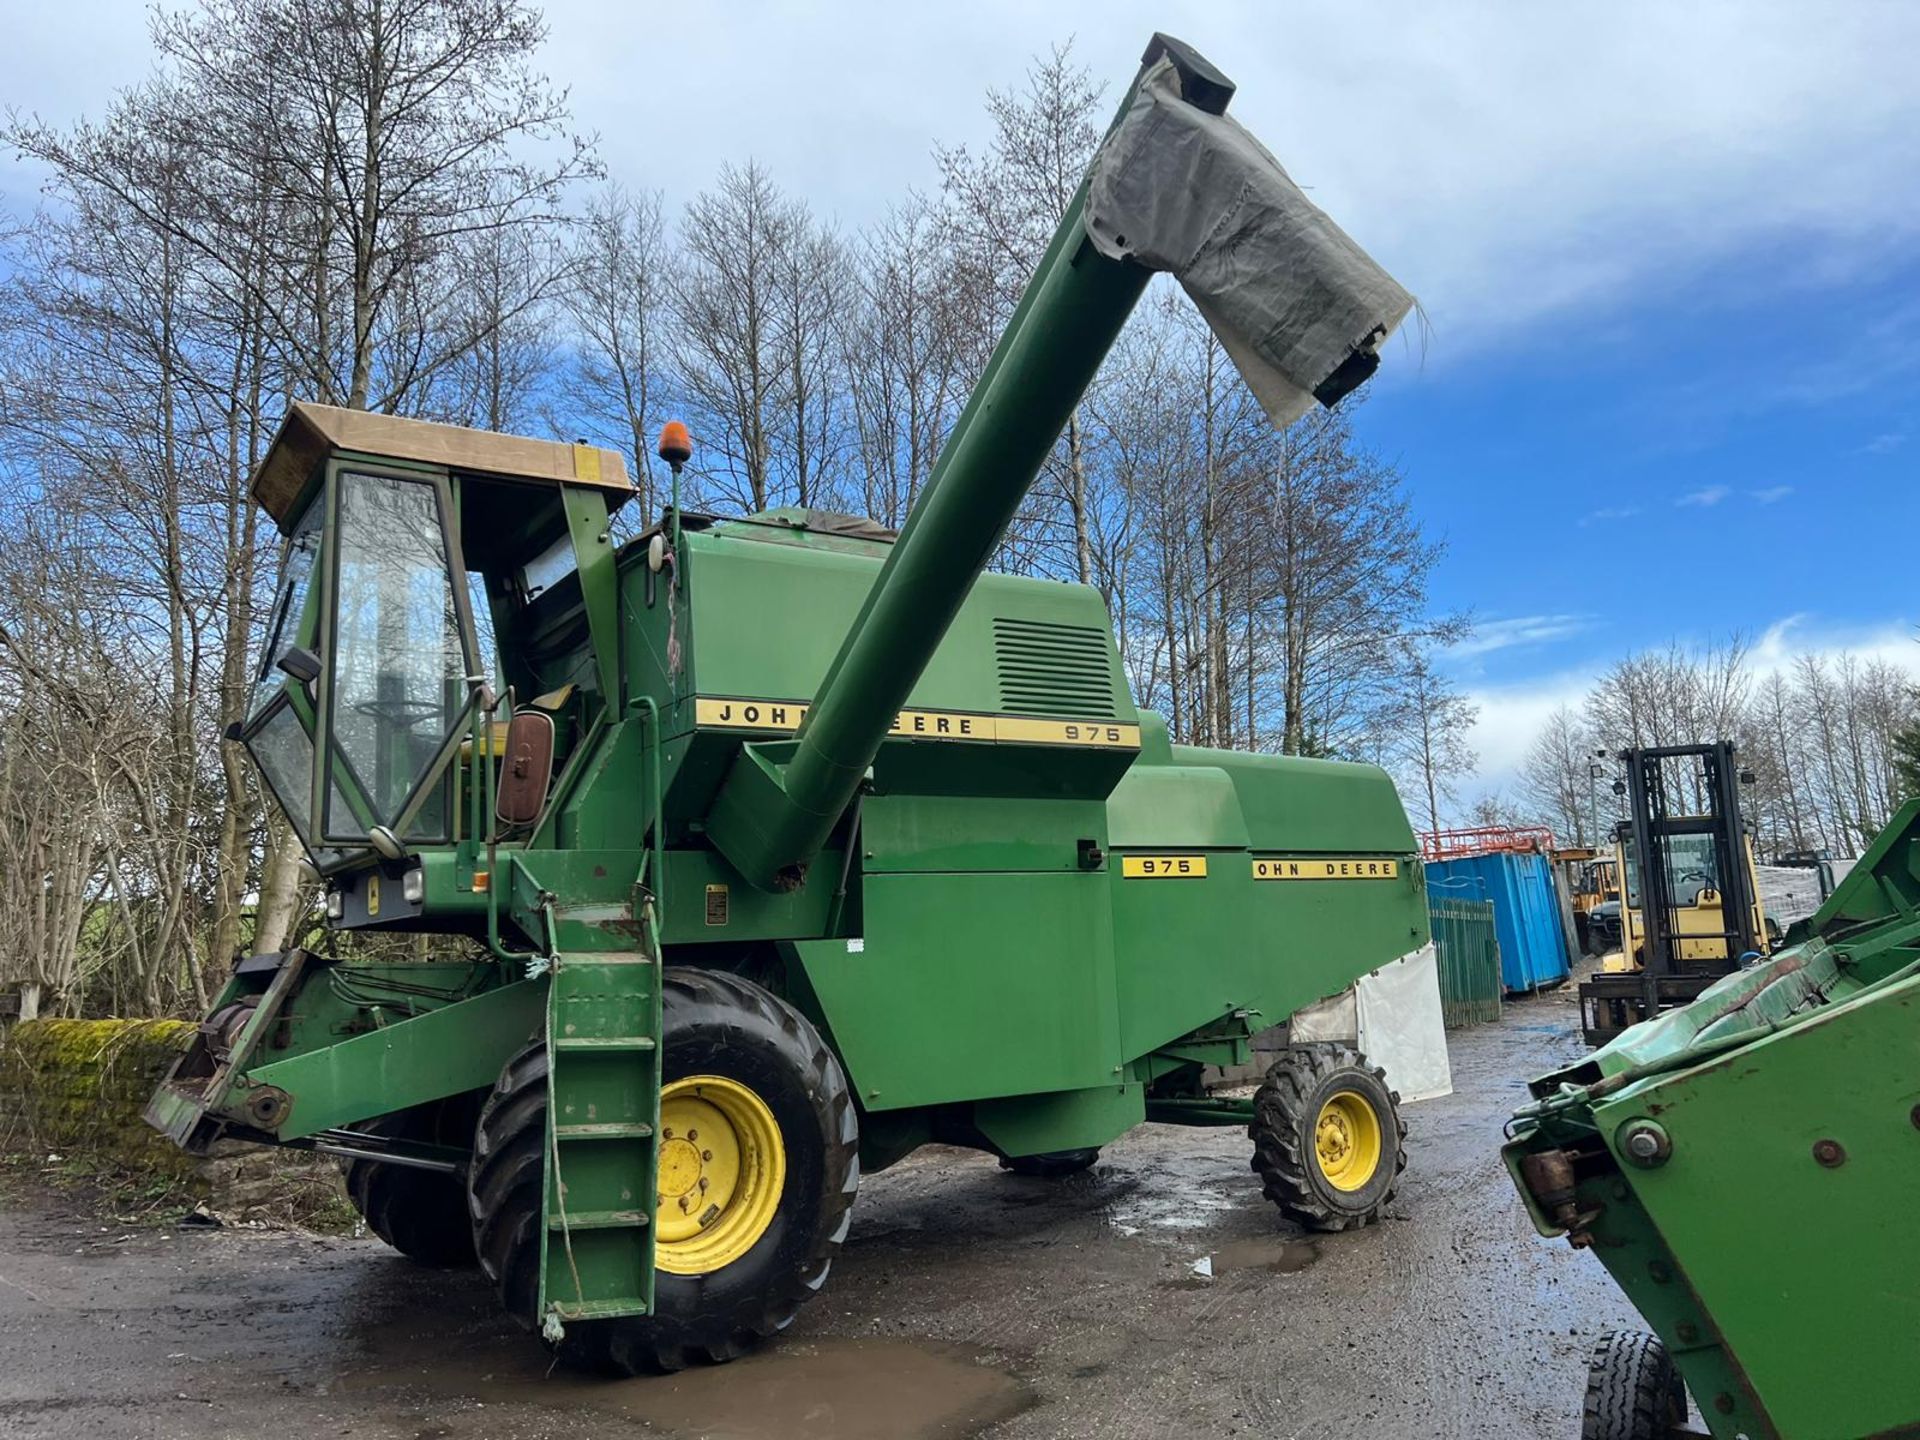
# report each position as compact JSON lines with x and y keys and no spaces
{"x":1327,"y":867}
{"x":1164,"y":867}
{"x":718,"y":713}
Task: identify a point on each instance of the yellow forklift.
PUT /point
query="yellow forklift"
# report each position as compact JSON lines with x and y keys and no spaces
{"x":1592,"y":880}
{"x":1690,"y":908}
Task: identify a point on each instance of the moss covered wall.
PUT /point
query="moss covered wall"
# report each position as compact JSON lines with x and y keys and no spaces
{"x":80,"y":1085}
{"x":76,"y":1088}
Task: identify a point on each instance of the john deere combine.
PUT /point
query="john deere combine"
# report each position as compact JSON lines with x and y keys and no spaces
{"x":786,"y":844}
{"x":1741,"y":1166}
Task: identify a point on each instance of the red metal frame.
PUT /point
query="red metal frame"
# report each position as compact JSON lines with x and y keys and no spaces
{"x":1485,"y":840}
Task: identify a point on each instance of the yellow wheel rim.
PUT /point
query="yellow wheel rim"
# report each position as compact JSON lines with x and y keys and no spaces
{"x":1346,"y":1141}
{"x":722,"y":1168}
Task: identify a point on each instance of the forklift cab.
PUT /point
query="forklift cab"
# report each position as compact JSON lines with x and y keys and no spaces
{"x":1690,"y":910}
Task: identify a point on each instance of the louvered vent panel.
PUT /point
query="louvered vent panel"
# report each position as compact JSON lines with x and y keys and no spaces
{"x":1048,"y":669}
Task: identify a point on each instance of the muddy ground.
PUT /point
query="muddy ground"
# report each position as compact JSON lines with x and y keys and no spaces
{"x":967,"y":1303}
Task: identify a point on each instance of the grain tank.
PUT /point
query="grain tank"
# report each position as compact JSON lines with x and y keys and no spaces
{"x":783,"y":844}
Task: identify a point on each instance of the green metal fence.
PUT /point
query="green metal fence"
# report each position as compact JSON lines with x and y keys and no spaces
{"x":1469,"y":956}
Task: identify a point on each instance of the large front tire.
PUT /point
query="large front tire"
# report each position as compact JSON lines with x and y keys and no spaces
{"x":730,"y":1046}
{"x":1328,"y":1140}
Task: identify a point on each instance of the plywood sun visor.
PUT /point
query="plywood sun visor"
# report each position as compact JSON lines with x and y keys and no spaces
{"x":311,"y":433}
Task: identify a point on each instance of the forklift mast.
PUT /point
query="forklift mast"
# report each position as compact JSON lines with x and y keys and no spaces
{"x":1689,"y":910}
{"x":1657,"y":823}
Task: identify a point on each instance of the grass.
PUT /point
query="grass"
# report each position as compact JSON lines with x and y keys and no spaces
{"x":308,"y":1196}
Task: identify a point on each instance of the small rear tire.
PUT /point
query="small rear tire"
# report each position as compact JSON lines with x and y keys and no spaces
{"x":420,"y":1213}
{"x":1633,"y":1391}
{"x":1328,"y":1140}
{"x":1051,"y":1164}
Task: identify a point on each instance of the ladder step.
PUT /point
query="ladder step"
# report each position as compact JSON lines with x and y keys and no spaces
{"x":581,"y":958}
{"x":601,"y":1220}
{"x":597,"y":1309}
{"x":603,"y":1042}
{"x":614,"y":1130}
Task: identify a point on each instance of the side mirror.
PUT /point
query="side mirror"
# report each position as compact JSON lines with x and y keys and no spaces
{"x":302,"y":665}
{"x":526,"y":769}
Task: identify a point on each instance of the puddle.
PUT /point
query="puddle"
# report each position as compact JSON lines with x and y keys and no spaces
{"x":820,"y":1390}
{"x":1274,"y":1255}
{"x":1184,"y":1208}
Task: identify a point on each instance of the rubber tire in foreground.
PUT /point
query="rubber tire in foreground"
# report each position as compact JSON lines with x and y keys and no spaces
{"x":714,"y":1024}
{"x":1051,"y":1164}
{"x":1633,"y":1391}
{"x":420,"y":1213}
{"x":1286,"y":1108}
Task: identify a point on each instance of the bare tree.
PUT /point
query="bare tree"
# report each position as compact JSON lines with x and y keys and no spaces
{"x":1002,"y":206}
{"x":902,"y":357}
{"x":1347,"y":570}
{"x":1557,"y":780}
{"x":735,"y":237}
{"x":294,"y":206}
{"x":1427,"y":739}
{"x":620,"y":300}
{"x":506,"y":279}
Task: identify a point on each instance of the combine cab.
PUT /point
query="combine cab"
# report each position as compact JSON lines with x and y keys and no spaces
{"x":783,"y":845}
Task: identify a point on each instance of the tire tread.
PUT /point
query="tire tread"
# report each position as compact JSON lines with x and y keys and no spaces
{"x":509,"y":1170}
{"x":1280,"y":1127}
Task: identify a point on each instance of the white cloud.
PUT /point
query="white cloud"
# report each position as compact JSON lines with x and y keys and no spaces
{"x":1711,"y":495}
{"x":1491,"y":635}
{"x":1509,"y":163}
{"x":1512,"y":716}
{"x":1772,"y":494}
{"x":1611,"y":512}
{"x":1786,"y":640}
{"x":1884,"y":444}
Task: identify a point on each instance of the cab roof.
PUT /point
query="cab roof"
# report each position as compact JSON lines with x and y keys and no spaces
{"x":311,"y":433}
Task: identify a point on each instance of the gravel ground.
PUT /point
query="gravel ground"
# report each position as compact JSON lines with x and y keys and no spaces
{"x":967,"y":1303}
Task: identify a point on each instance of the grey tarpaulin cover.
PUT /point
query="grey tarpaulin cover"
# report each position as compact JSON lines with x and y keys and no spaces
{"x":1288,"y":292}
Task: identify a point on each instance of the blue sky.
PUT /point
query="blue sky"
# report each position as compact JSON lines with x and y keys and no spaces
{"x":1666,"y":251}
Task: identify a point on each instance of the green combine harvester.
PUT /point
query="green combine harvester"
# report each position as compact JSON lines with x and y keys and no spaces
{"x":785,"y":845}
{"x":1739,"y":1166}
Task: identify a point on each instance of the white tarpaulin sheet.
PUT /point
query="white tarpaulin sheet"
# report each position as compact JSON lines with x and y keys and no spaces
{"x":1291,"y":296}
{"x":1392,"y":1016}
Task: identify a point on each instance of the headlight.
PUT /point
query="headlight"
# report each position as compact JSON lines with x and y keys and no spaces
{"x":336,"y":905}
{"x":413,"y":886}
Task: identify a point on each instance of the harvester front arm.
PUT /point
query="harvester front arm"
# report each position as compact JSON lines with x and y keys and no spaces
{"x":1742,"y":1167}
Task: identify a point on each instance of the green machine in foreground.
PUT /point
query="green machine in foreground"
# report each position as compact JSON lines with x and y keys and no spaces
{"x":785,"y":844}
{"x":1745,"y":1168}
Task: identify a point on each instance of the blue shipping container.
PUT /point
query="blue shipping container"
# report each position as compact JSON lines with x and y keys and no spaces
{"x":1526,"y":912}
